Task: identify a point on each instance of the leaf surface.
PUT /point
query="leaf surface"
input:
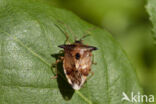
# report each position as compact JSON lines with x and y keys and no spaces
{"x":29,"y":37}
{"x":151,"y":9}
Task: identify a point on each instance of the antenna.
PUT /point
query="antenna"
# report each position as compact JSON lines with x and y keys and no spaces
{"x":87,"y":33}
{"x":84,"y":36}
{"x":65,"y":33}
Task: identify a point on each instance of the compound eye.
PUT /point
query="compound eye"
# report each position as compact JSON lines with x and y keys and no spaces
{"x":77,"y":56}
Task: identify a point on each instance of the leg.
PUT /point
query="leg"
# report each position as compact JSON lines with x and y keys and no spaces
{"x":54,"y":77}
{"x":55,"y":72}
{"x":55,"y":65}
{"x":92,"y":73}
{"x":61,"y":51}
{"x":93,"y":60}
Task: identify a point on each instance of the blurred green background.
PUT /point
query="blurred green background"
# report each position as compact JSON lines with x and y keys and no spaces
{"x":128,"y":22}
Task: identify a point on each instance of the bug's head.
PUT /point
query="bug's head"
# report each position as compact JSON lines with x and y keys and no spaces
{"x":80,"y":41}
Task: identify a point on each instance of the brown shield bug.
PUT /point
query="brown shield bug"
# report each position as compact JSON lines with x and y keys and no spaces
{"x":77,"y":61}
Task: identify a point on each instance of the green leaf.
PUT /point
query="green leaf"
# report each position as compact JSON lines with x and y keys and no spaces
{"x":151,"y":9}
{"x":29,"y":38}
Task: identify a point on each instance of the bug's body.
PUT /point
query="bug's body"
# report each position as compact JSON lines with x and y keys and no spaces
{"x":77,"y":63}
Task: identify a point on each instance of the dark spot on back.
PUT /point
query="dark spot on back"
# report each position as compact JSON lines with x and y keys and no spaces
{"x":77,"y":56}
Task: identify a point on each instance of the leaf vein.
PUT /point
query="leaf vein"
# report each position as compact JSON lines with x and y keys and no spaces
{"x":36,"y":55}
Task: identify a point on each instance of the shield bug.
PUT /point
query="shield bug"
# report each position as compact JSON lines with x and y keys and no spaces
{"x":77,"y":61}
